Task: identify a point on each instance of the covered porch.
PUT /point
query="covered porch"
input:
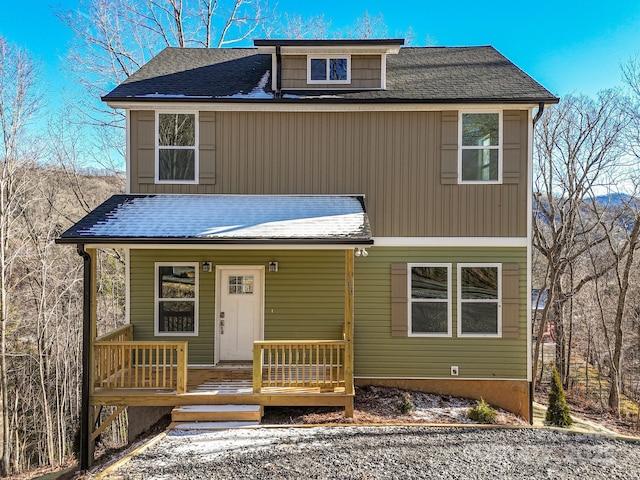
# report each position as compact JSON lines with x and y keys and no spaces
{"x":127,"y":367}
{"x":286,"y":372}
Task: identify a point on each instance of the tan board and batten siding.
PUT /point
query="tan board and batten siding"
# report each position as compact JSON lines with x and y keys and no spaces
{"x":365,"y":73}
{"x":404,"y":162}
{"x":305,"y":300}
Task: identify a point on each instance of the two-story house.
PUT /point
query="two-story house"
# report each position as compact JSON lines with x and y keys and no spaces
{"x":321,"y":214}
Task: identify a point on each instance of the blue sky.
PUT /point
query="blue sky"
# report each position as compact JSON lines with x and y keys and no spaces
{"x":568,"y":46}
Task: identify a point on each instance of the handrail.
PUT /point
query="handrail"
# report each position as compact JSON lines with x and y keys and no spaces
{"x":120,"y":334}
{"x":299,"y":363}
{"x":153,"y":364}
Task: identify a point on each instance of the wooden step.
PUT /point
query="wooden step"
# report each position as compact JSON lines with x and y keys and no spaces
{"x":211,"y":425}
{"x":216,"y":413}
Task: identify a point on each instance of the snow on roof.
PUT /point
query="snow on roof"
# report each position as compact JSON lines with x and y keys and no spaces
{"x":257,"y":92}
{"x":225,"y":219}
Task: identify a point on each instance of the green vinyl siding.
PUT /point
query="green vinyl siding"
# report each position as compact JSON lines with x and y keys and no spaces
{"x":378,"y":354}
{"x":303,"y":300}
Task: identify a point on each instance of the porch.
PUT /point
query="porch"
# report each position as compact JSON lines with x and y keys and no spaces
{"x":283,"y":373}
{"x":172,"y":259}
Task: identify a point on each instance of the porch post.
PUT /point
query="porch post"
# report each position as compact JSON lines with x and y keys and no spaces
{"x":348,"y":329}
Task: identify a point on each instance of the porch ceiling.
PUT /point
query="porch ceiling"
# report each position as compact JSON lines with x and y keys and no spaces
{"x":225,"y":219}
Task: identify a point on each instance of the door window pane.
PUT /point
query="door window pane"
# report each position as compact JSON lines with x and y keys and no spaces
{"x":241,"y":284}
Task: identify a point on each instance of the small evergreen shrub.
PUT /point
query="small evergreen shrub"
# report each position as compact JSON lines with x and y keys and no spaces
{"x":406,"y":405}
{"x":482,"y":413}
{"x":558,"y":410}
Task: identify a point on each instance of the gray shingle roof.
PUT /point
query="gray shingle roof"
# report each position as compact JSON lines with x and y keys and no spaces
{"x":214,"y":219}
{"x":419,"y":74}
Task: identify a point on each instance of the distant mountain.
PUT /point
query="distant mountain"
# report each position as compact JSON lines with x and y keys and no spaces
{"x":613,"y":199}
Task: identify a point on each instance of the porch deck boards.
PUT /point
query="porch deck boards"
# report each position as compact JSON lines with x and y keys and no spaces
{"x":220,"y":385}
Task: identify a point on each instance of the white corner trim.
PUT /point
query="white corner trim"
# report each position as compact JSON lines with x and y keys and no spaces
{"x":127,"y":151}
{"x":529,"y":246}
{"x":127,"y":285}
{"x":450,"y":242}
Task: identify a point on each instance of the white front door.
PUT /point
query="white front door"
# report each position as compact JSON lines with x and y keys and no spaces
{"x":240,"y":311}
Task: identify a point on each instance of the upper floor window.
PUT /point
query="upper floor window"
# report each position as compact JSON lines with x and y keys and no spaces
{"x":480,"y":153}
{"x":176,"y":151}
{"x":329,"y":69}
{"x":479,"y":300}
{"x":430,"y":300}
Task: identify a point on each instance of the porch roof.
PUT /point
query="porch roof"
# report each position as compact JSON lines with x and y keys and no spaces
{"x":225,"y":219}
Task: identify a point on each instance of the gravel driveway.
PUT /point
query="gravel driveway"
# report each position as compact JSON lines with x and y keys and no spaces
{"x":383,"y":453}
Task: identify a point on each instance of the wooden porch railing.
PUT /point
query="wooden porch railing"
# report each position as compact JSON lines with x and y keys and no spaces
{"x":297,"y":363}
{"x":121,"y":334}
{"x":124,"y":364}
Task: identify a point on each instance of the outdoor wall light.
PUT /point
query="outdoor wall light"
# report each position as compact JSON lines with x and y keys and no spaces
{"x":206,"y":266}
{"x":273,"y":266}
{"x":361,"y":251}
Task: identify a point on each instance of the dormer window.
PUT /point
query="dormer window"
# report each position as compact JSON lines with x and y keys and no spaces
{"x":329,"y":69}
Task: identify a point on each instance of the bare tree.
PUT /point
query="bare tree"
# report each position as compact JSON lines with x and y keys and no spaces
{"x":19,"y":101}
{"x":578,"y":146}
{"x":296,"y":26}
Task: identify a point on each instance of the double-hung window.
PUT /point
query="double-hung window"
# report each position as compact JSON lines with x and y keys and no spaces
{"x":479,"y":300}
{"x":430,"y":300}
{"x":176,"y":298}
{"x":480,"y":152}
{"x":176,"y":147}
{"x":328,"y":69}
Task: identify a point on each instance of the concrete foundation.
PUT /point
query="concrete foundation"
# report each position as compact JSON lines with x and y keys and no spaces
{"x":142,"y":419}
{"x":511,"y":395}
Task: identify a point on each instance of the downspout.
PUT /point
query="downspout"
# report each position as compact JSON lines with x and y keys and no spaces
{"x":278,"y":72}
{"x":85,"y":426}
{"x":539,"y":113}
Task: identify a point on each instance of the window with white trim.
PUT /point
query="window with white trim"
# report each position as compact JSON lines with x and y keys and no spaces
{"x":328,"y":69}
{"x":176,"y":298}
{"x":176,"y":147}
{"x":479,"y":300}
{"x":430,"y":299}
{"x":480,"y":152}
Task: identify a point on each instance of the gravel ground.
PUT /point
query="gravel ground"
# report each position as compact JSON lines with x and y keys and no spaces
{"x":383,"y":453}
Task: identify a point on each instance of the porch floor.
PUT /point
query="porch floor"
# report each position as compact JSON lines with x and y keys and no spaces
{"x":222,"y":384}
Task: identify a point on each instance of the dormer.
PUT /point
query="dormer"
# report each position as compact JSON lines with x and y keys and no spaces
{"x":317,"y":65}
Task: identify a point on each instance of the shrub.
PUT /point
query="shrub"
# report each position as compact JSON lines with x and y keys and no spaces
{"x":558,"y":410}
{"x":482,"y":413}
{"x":406,"y":405}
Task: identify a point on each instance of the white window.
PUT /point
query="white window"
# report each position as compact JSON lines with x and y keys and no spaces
{"x":176,"y":147}
{"x":328,"y":69}
{"x":430,"y":299}
{"x":480,"y":147}
{"x":479,"y":300}
{"x":176,"y":298}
